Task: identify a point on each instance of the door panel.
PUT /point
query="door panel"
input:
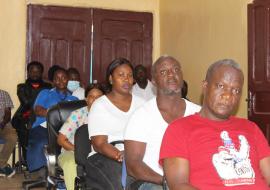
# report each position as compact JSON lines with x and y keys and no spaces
{"x":259,"y":65}
{"x":60,"y":35}
{"x":121,"y":34}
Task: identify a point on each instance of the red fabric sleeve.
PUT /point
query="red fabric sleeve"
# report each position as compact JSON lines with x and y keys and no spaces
{"x":174,"y":142}
{"x":262,"y":144}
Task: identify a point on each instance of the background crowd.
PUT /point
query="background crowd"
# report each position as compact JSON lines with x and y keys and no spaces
{"x":127,"y":117}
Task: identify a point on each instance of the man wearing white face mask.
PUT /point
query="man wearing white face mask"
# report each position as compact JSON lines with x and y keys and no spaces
{"x":74,"y":83}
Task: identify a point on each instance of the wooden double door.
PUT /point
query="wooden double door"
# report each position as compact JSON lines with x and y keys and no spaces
{"x":88,"y":39}
{"x":259,"y":64}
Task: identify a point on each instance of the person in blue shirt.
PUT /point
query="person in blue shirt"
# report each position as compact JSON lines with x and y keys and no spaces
{"x":38,"y":135}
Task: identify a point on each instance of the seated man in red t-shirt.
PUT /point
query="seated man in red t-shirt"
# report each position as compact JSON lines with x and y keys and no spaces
{"x":213,"y":150}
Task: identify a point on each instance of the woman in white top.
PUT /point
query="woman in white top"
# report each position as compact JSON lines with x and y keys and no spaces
{"x":107,"y":119}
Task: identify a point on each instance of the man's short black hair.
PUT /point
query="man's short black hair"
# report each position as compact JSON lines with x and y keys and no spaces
{"x":138,"y":67}
{"x":219,"y":63}
{"x":35,"y":63}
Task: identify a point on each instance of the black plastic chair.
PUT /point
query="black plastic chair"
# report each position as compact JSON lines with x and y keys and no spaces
{"x":56,"y":117}
{"x":82,"y":149}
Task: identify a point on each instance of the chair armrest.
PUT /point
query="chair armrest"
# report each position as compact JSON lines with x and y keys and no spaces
{"x":116,"y":142}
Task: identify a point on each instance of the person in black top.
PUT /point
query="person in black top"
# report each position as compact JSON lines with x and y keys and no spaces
{"x":27,"y":93}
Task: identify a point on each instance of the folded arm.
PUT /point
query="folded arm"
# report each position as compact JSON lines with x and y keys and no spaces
{"x":40,"y":111}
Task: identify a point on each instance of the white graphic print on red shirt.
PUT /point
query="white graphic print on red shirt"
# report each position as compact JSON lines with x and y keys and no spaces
{"x":233,"y":166}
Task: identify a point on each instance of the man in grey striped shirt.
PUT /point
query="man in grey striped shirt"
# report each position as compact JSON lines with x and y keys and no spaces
{"x":7,"y":134}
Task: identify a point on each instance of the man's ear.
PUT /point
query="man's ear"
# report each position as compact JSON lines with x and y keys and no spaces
{"x":204,"y":86}
{"x":154,"y":82}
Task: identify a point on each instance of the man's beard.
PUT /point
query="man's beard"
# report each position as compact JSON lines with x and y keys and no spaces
{"x":170,"y":92}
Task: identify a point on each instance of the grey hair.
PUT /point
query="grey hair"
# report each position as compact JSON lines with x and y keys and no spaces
{"x":223,"y":62}
{"x":160,"y":60}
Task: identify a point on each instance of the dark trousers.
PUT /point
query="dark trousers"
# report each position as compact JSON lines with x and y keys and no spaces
{"x":132,"y":183}
{"x":20,"y":125}
{"x":103,"y":173}
{"x":38,"y":137}
{"x":23,"y":139}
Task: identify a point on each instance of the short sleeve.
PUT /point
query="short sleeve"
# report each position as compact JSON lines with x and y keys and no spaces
{"x":98,"y":120}
{"x":41,"y":99}
{"x":8,"y":101}
{"x":262,"y":144}
{"x":174,"y":142}
{"x":71,"y":124}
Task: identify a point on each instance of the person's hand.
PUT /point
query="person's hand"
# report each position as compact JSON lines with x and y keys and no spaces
{"x":120,"y":156}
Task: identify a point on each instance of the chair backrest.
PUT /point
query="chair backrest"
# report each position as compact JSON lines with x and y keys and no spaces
{"x":82,"y":145}
{"x":56,"y":117}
